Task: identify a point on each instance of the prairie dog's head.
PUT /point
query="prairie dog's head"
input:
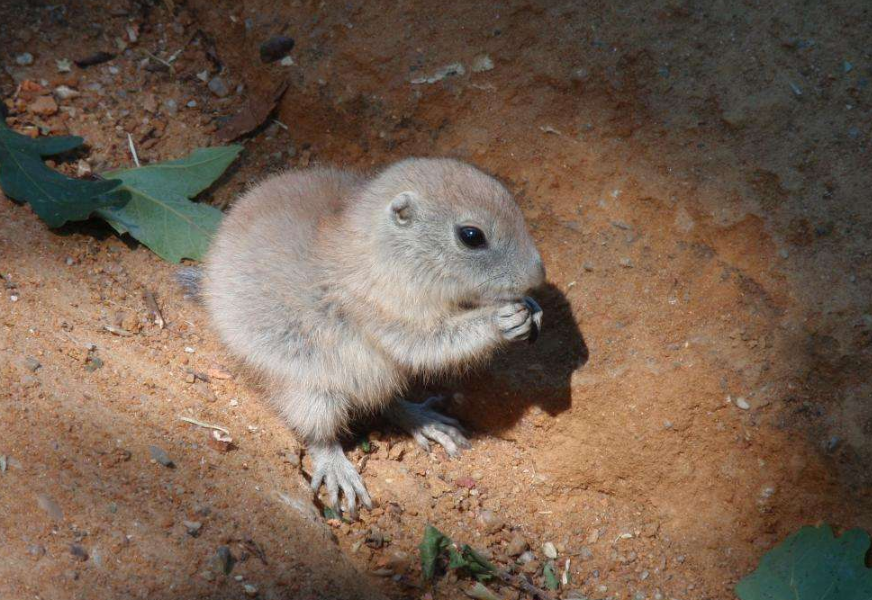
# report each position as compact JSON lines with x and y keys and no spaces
{"x":454,"y":232}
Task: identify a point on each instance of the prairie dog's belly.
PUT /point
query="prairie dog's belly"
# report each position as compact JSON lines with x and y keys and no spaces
{"x":285,"y":337}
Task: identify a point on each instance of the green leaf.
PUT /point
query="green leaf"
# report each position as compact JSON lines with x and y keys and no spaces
{"x":431,"y":548}
{"x":551,"y":580}
{"x":812,"y":564}
{"x":55,"y":198}
{"x":478,"y":566}
{"x":435,"y":544}
{"x":159,"y":212}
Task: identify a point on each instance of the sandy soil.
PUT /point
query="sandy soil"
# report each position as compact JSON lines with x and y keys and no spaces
{"x":696,"y":176}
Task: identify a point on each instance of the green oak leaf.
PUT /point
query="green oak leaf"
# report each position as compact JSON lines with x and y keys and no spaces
{"x":431,"y":548}
{"x":159,"y":212}
{"x":812,"y":564}
{"x":551,"y":580}
{"x":54,"y":197}
{"x":434,"y":545}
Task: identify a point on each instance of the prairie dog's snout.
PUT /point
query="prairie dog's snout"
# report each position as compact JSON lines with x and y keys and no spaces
{"x":336,"y":288}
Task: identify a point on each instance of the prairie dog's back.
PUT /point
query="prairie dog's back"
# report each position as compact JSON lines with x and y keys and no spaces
{"x":262,"y":256}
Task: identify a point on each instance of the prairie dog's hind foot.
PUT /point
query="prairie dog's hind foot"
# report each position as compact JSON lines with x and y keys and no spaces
{"x":331,"y":467}
{"x":424,"y":424}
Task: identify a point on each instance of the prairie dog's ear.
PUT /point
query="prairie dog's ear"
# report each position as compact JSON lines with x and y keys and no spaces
{"x":402,"y":207}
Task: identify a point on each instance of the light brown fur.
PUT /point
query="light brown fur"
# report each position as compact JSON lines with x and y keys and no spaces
{"x":337,"y":289}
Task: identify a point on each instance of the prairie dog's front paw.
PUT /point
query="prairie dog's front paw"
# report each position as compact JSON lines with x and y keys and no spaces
{"x":515,"y":321}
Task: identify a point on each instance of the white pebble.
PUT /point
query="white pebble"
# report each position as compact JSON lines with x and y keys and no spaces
{"x":742,"y":403}
{"x":482,"y":63}
{"x":189,"y":350}
{"x":550,"y":550}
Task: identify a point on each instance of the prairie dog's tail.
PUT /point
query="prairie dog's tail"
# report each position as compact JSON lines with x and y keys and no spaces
{"x":190,"y":279}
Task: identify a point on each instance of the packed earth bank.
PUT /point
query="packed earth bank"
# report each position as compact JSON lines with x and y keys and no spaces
{"x":695,"y":178}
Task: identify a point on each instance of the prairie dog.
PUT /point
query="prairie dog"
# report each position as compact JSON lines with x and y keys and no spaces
{"x":338,"y":289}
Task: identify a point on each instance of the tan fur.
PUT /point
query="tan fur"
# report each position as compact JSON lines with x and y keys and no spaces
{"x":315,"y":282}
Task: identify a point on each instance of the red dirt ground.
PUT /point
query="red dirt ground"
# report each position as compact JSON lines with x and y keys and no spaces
{"x":697,"y":178}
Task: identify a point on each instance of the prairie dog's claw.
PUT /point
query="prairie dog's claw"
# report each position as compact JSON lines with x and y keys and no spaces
{"x":536,"y":312}
{"x":336,"y":472}
{"x":425,"y":424}
{"x":515,"y":321}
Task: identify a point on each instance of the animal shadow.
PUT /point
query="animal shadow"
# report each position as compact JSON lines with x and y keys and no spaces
{"x":497,"y":396}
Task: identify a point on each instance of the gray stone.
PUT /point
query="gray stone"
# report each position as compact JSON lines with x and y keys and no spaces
{"x":218,"y":87}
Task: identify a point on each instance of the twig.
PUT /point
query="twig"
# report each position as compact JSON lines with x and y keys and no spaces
{"x":206,"y":425}
{"x":151,"y":303}
{"x":117,"y":331}
{"x":280,"y":124}
{"x":175,"y":55}
{"x":519,"y":583}
{"x":132,"y":149}
{"x":158,"y":59}
{"x":167,"y":64}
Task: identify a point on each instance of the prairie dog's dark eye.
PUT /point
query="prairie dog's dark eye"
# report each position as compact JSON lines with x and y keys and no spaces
{"x":471,"y":237}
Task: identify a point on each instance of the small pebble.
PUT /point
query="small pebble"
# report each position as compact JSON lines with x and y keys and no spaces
{"x":275,"y":48}
{"x":249,"y":590}
{"x":193,"y":527}
{"x":160,"y":456}
{"x":482,"y":63}
{"x":44,"y":106}
{"x":526,"y":557}
{"x":64,"y":65}
{"x":465,"y":482}
{"x":51,"y":507}
{"x":742,"y":403}
{"x":78,"y":552}
{"x":585,"y":553}
{"x":218,"y":87}
{"x":517,"y":546}
{"x":549,"y":550}
{"x":225,"y":559}
{"x":490,"y":521}
{"x":65,"y":93}
{"x":31,"y":364}
{"x":24,"y":59}
{"x":36,"y":550}
{"x":626,"y":263}
{"x":191,"y":104}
